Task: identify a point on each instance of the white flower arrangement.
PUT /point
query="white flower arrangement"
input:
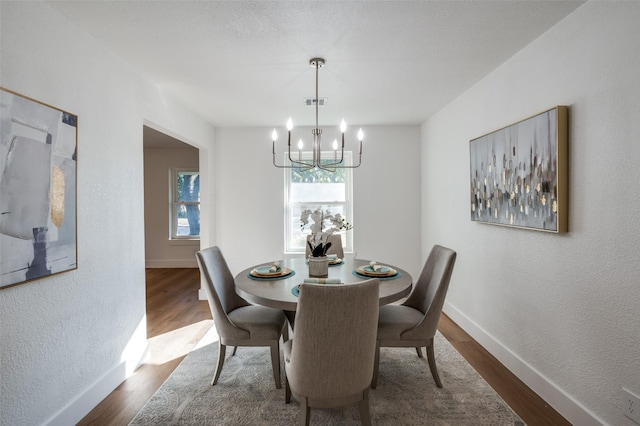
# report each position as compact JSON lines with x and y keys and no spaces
{"x":324,"y":224}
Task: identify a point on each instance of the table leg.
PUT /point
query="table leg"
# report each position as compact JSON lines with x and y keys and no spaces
{"x":291,"y":316}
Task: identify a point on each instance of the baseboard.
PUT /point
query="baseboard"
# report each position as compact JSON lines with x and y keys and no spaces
{"x":562,"y":402}
{"x":82,"y":405}
{"x":172,"y":263}
{"x":202,"y":294}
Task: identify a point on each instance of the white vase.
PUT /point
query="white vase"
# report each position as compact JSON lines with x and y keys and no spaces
{"x":319,"y":266}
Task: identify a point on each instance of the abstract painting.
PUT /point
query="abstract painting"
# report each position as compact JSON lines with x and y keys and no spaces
{"x":519,"y":174}
{"x":38,"y":146}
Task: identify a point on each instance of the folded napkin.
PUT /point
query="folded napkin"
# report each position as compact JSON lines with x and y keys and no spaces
{"x":375,"y":266}
{"x":322,"y":281}
{"x":275,"y":267}
{"x":332,"y":257}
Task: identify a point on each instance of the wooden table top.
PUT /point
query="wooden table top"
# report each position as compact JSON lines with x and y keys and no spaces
{"x":277,"y":293}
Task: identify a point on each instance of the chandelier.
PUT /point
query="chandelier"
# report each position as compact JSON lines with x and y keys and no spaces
{"x":329,"y":164}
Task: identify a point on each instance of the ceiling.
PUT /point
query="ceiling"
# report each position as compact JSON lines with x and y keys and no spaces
{"x":246,"y":63}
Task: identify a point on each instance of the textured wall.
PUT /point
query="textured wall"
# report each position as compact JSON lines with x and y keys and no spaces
{"x":66,"y":341}
{"x":560,"y":310}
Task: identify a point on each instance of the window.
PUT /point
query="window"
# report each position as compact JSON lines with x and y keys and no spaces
{"x":185,"y":204}
{"x":314,"y":189}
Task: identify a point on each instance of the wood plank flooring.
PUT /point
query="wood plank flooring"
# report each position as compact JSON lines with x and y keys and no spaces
{"x":176,"y":320}
{"x":526,"y":403}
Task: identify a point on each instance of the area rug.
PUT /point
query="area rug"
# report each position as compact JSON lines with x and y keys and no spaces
{"x":246,"y":395}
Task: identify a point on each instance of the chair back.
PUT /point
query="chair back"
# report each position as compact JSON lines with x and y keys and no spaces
{"x":220,"y":289}
{"x":336,"y":246}
{"x":334,"y":339}
{"x":431,"y":288}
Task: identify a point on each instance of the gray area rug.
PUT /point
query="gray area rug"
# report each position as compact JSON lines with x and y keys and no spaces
{"x":245,"y":393}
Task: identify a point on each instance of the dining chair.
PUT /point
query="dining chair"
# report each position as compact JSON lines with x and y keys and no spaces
{"x":329,"y":360}
{"x":336,"y":246}
{"x":238,"y":322}
{"x":413,"y":324}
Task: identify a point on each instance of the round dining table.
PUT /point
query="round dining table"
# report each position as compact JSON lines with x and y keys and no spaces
{"x":281,"y":292}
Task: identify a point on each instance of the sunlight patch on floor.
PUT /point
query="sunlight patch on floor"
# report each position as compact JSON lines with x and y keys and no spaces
{"x":178,"y":343}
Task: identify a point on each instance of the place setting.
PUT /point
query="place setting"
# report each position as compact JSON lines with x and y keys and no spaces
{"x":270,"y":272}
{"x":376,"y":270}
{"x":295,"y":290}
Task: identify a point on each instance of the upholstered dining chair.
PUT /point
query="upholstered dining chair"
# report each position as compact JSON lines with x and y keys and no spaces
{"x":238,"y":322}
{"x":413,"y":324}
{"x":329,"y":360}
{"x":336,"y":246}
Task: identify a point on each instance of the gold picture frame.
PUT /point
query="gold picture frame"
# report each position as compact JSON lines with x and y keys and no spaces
{"x":518,"y":174}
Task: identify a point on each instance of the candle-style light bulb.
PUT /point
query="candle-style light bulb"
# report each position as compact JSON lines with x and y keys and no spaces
{"x":335,"y":144}
{"x":360,"y":135}
{"x":289,"y":124}
{"x":300,"y":144}
{"x":343,"y":126}
{"x":274,"y":135}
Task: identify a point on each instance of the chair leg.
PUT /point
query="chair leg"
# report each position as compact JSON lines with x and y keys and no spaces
{"x":287,"y":390}
{"x":432,"y":364}
{"x":275,"y":362}
{"x":419,"y":351}
{"x":235,"y":348}
{"x":222,"y":350}
{"x":363,"y":405}
{"x":376,"y":362}
{"x":305,"y":412}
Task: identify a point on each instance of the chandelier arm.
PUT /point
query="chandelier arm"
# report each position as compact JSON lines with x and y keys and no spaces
{"x":334,"y":168}
{"x":355,"y":166}
{"x":328,"y":169}
{"x":302,"y":166}
{"x":303,"y":169}
{"x":274,"y":157}
{"x":304,"y":163}
{"x":335,"y":162}
{"x":338,"y":166}
{"x":359,"y":160}
{"x":349,"y":167}
{"x":294,"y":164}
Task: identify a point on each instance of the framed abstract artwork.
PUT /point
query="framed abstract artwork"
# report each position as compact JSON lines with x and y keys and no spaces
{"x":519,"y":174}
{"x":38,"y":164}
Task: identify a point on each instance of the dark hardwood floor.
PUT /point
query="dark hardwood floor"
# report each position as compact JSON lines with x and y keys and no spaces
{"x":177,"y":320}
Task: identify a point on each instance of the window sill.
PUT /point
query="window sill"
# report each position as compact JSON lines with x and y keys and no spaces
{"x":185,"y":242}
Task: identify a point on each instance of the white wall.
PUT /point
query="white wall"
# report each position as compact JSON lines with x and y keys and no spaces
{"x":250,"y":198}
{"x":561,"y":311}
{"x":160,"y":251}
{"x":66,"y":341}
